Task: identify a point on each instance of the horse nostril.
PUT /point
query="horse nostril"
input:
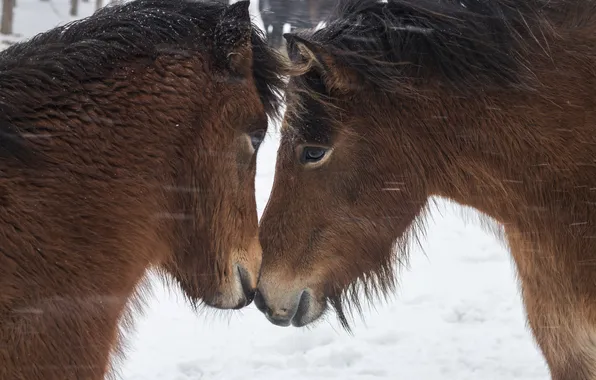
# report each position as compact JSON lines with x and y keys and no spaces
{"x":250,"y":295}
{"x":260,"y":302}
{"x":247,"y":289}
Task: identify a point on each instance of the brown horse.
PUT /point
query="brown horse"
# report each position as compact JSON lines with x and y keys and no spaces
{"x":489,"y":103}
{"x":128,"y":142}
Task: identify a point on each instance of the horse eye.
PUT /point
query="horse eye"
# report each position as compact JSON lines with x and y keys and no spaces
{"x":256,"y":138}
{"x":312,"y":154}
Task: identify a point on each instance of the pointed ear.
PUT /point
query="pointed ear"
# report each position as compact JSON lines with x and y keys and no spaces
{"x":232,"y":39}
{"x":314,"y":56}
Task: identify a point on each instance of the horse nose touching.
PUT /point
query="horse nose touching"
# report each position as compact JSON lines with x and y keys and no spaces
{"x":248,"y":284}
{"x":241,"y":286}
{"x":238,"y":288}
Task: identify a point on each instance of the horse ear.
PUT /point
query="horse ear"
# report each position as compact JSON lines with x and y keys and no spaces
{"x":232,"y":38}
{"x":315,"y":56}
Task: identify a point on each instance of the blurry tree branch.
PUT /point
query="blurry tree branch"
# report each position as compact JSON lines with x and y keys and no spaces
{"x":74,"y":7}
{"x":7,"y":16}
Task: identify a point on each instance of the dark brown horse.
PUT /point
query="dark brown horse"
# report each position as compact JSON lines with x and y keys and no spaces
{"x":489,"y":103}
{"x":128,"y":142}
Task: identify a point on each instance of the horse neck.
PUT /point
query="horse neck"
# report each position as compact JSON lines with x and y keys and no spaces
{"x":523,"y":160}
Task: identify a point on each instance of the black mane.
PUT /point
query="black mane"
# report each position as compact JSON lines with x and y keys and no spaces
{"x":466,"y":43}
{"x":60,"y":60}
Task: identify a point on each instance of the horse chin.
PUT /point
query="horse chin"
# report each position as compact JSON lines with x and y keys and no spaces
{"x":312,"y":315}
{"x":224,"y":303}
{"x":310,"y":309}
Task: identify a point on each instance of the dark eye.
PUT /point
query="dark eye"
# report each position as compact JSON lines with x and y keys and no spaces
{"x":312,"y":154}
{"x":256,"y":138}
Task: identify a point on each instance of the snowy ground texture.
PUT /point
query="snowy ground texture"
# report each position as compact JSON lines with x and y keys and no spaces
{"x":457,"y":316}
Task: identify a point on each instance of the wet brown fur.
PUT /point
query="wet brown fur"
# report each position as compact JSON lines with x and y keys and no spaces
{"x":487,"y":103}
{"x":123,"y":144}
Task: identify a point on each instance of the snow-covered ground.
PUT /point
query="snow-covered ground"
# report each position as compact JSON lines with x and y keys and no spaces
{"x":457,"y":316}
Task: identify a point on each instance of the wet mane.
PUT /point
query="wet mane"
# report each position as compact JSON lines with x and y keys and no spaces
{"x":57,"y":63}
{"x":465,"y":44}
